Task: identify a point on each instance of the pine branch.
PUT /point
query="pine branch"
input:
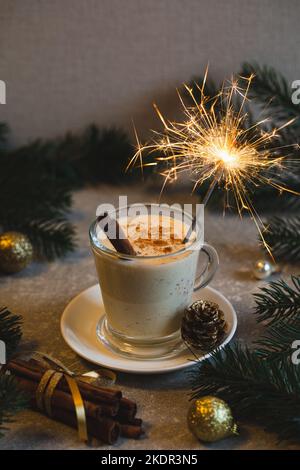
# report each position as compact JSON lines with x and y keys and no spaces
{"x":12,"y":400}
{"x":35,"y":207}
{"x":29,"y":190}
{"x":257,"y":390}
{"x":40,"y":211}
{"x":53,"y":238}
{"x":278,"y":301}
{"x":96,"y":155}
{"x":276,"y":344}
{"x":104,"y":156}
{"x":36,"y":180}
{"x":283,"y":237}
{"x":270,"y":87}
{"x":10,"y":330}
{"x":35,"y":202}
{"x":280,"y":305}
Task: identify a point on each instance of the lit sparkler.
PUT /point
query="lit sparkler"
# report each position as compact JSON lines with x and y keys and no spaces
{"x":218,"y":145}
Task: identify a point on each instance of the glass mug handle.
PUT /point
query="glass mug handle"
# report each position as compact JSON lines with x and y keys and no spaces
{"x":209,"y":271}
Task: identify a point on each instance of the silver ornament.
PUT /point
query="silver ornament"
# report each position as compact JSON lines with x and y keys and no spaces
{"x":263,"y":268}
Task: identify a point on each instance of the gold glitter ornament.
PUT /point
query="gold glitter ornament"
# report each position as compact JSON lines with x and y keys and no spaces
{"x":210,"y":419}
{"x":15,"y":252}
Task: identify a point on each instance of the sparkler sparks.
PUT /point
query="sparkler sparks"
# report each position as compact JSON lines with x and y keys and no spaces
{"x":215,"y":142}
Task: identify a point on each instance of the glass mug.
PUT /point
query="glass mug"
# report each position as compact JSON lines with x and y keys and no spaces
{"x":144,"y":297}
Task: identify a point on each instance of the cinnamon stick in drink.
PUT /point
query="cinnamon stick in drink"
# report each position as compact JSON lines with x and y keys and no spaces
{"x":118,"y":238}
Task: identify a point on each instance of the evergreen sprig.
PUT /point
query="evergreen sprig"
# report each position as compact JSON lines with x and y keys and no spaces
{"x":36,"y":182}
{"x":256,"y":389}
{"x":37,"y":205}
{"x":12,"y":400}
{"x":52,"y":238}
{"x":278,"y":301}
{"x":276,"y":344}
{"x":279,"y":306}
{"x":72,"y":161}
{"x":283,"y":237}
{"x":271,"y":88}
{"x":10,"y":330}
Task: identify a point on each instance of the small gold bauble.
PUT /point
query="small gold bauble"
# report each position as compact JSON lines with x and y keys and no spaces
{"x":15,"y":252}
{"x":210,"y":419}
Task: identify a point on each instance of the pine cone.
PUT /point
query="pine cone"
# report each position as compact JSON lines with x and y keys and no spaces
{"x":203,"y":325}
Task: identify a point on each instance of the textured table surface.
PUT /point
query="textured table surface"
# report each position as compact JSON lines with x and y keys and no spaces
{"x":41,"y":292}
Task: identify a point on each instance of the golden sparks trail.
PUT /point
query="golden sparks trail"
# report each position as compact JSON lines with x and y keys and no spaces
{"x":215,"y":143}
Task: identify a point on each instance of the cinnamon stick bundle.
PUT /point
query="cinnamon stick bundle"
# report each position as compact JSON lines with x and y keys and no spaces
{"x":108,"y":413}
{"x":111,"y":400}
{"x":107,"y":430}
{"x":27,"y":370}
{"x":60,"y":400}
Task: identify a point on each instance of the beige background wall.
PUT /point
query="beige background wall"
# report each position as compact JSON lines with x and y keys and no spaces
{"x":69,"y":62}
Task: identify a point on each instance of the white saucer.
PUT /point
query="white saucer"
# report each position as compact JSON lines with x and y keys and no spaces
{"x":78,"y":326}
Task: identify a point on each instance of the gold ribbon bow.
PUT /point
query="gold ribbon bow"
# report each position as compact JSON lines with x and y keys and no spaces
{"x":52,"y":377}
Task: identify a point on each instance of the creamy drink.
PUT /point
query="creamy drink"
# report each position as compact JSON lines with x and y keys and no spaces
{"x":145,"y":295}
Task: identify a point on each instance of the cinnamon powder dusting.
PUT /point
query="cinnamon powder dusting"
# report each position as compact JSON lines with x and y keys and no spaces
{"x":157,"y":241}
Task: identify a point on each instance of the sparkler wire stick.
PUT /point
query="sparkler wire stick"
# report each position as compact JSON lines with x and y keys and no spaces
{"x":204,"y":202}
